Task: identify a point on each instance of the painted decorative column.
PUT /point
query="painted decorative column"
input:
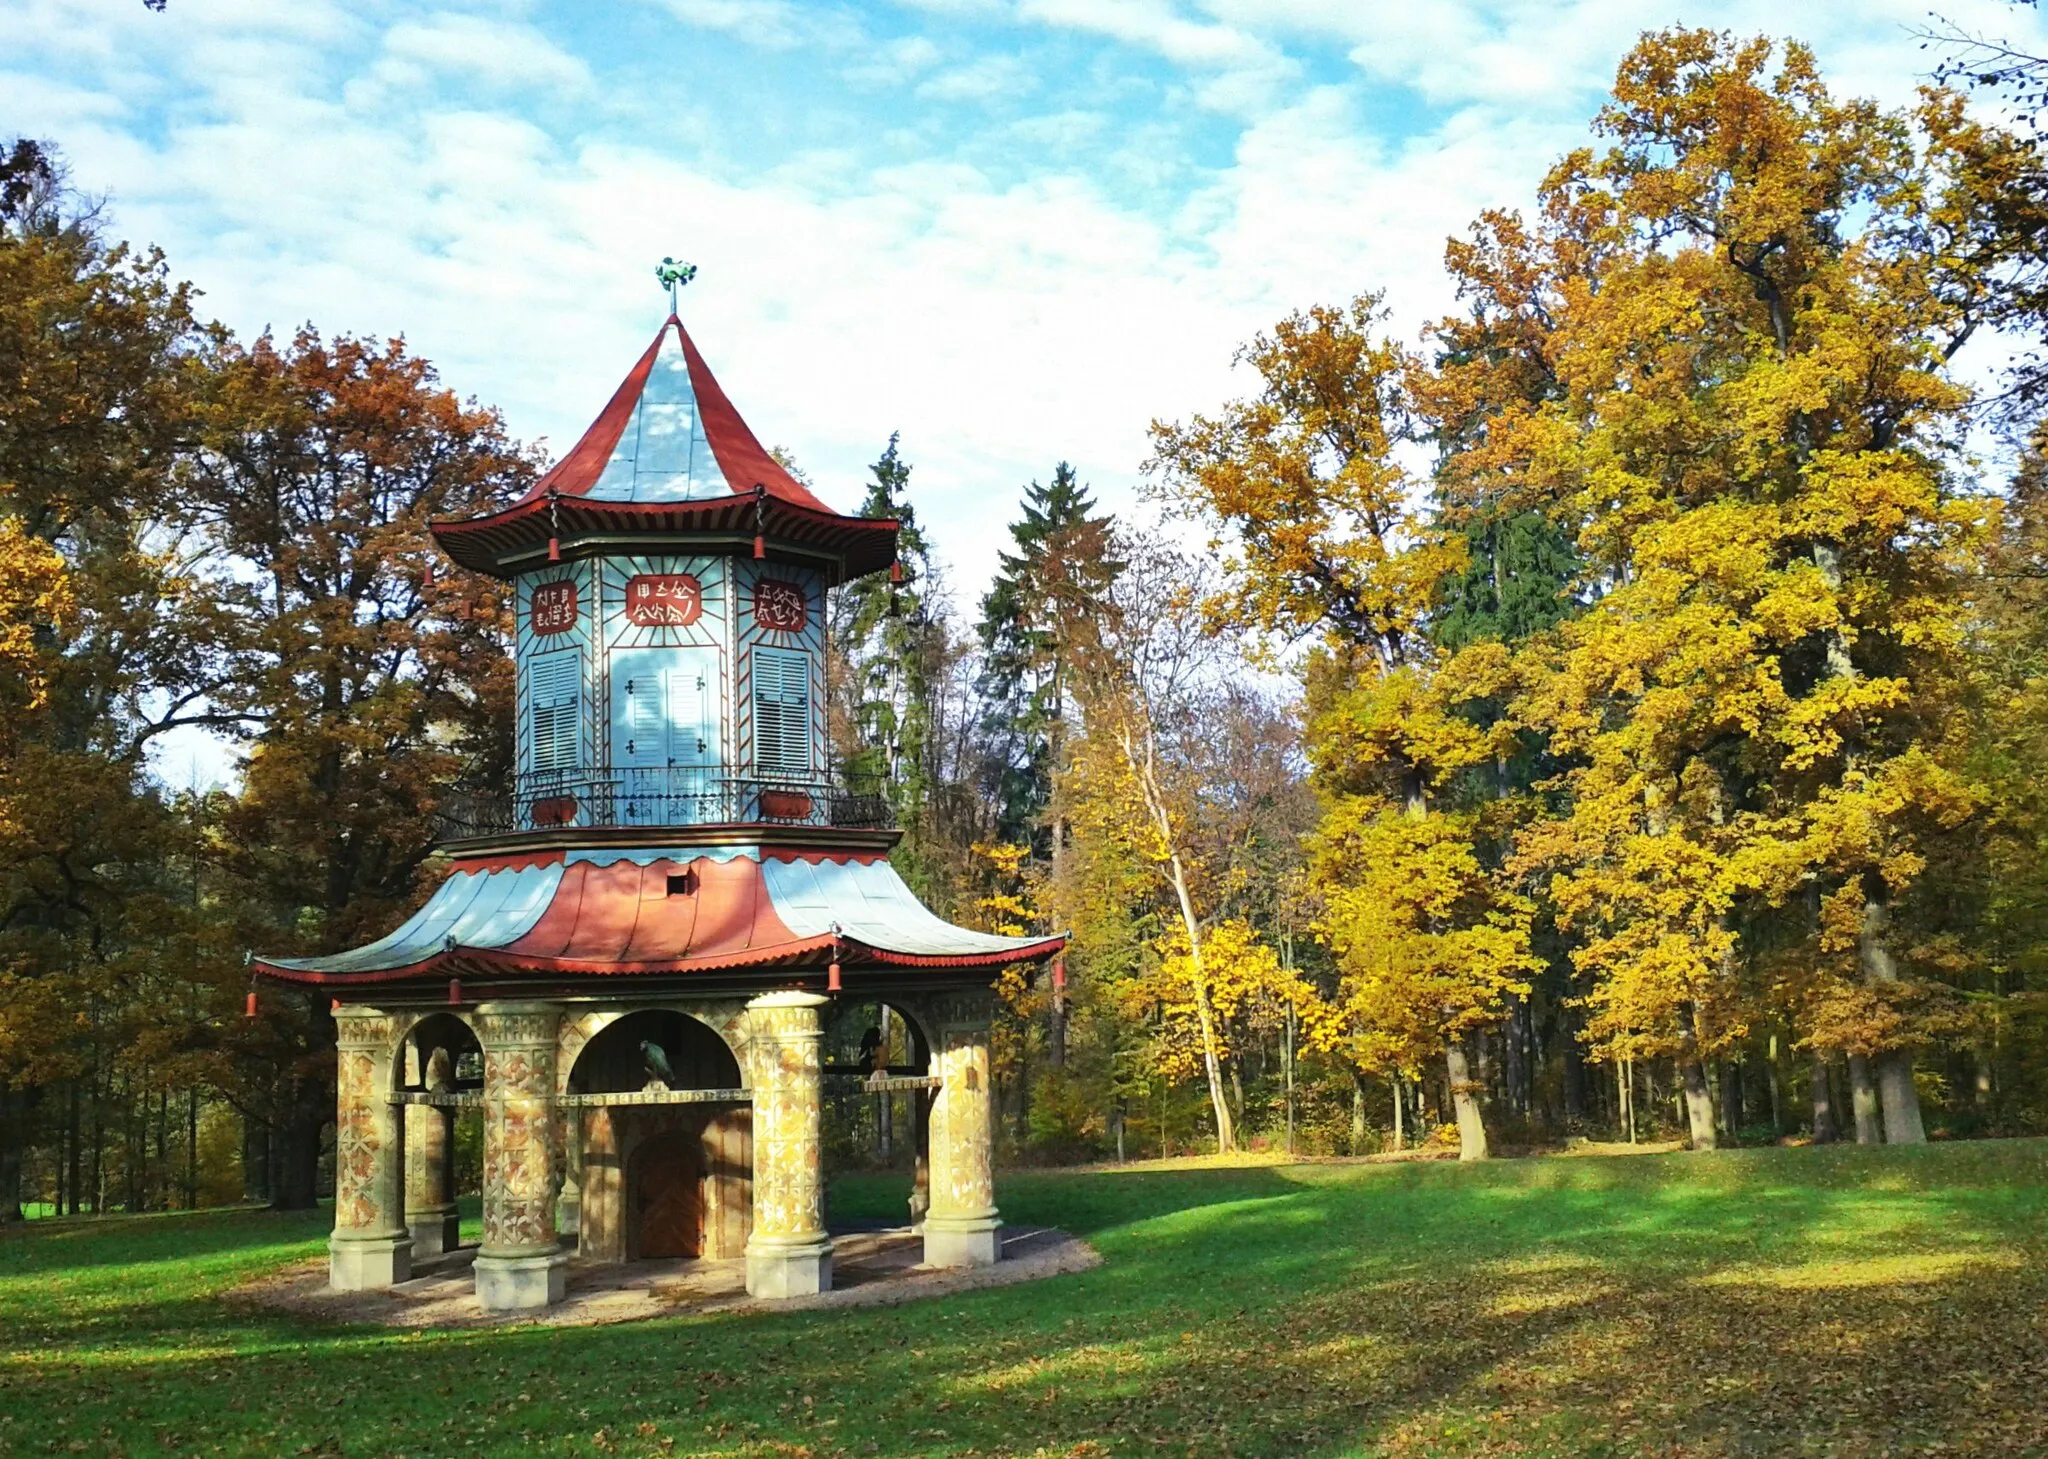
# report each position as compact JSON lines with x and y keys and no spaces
{"x":520,"y":1264}
{"x":788,"y":1252}
{"x":962,"y":1227}
{"x":370,"y":1246}
{"x":429,"y":1184}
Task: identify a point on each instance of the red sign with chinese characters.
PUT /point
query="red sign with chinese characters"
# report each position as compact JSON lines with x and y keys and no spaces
{"x":664,"y":600}
{"x":552,"y":609}
{"x":780,"y":606}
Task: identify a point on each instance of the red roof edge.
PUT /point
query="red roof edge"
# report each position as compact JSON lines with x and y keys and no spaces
{"x":740,"y":456}
{"x":485,"y":957}
{"x":578,"y":471}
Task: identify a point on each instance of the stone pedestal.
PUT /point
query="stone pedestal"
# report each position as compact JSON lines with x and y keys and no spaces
{"x":430,"y":1210}
{"x":363,"y":1264}
{"x":962,"y":1227}
{"x":788,"y":1252}
{"x":371,"y":1246}
{"x":520,"y":1264}
{"x":521,"y":1283}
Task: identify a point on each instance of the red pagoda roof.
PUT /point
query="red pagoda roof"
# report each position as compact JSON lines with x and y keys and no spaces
{"x":664,"y":911}
{"x":669,"y":455}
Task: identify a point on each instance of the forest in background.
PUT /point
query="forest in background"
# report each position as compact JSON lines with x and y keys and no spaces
{"x":1619,"y":711}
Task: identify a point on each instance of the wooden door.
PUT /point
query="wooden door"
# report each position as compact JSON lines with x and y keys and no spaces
{"x":668,"y":1203}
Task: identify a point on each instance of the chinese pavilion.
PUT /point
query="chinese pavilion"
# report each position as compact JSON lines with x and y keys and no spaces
{"x":636,"y":960}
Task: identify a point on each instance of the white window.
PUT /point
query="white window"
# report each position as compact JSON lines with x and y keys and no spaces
{"x":554,"y":708}
{"x":782,"y":712}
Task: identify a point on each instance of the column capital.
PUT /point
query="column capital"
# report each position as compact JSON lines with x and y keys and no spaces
{"x":522,"y":1024}
{"x":962,"y":1008}
{"x":359,"y":1026}
{"x":789,"y":998}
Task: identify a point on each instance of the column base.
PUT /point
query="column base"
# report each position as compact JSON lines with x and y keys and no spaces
{"x":789,"y":1271}
{"x":977,"y":1241}
{"x":436,"y":1231}
{"x":569,"y":1215}
{"x":366,"y":1264}
{"x":521,"y":1283}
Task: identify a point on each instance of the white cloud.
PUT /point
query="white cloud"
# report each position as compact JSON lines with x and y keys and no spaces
{"x":1008,"y":293}
{"x":987,"y":79}
{"x":770,"y":24}
{"x":1236,"y":71}
{"x":894,"y":62}
{"x":491,"y":51}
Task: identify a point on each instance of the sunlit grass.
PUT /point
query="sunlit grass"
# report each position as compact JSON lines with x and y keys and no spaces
{"x":1836,"y":1301}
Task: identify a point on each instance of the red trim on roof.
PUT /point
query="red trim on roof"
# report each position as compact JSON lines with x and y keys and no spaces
{"x":739,"y":453}
{"x":741,"y":460}
{"x":509,"y":861}
{"x":485,"y":961}
{"x":578,"y":471}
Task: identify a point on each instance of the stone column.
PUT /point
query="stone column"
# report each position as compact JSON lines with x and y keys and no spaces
{"x":370,"y":1246}
{"x":962,"y":1227}
{"x":788,"y":1252}
{"x":520,"y":1264}
{"x":429,"y":1180}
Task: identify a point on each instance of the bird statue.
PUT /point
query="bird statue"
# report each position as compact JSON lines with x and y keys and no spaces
{"x":440,"y":1071}
{"x":659,"y":1074}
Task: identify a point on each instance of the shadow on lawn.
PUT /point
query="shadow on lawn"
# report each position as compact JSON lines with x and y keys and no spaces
{"x":1775,"y":1301}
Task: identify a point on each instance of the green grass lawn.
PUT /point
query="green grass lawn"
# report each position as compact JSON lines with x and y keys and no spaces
{"x":1836,"y":1301}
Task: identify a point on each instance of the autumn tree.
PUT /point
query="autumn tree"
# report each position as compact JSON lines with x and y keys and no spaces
{"x":1754,"y":434}
{"x":1304,"y":485}
{"x":371,"y":679}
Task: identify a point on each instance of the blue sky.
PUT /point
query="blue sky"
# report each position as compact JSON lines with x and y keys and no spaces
{"x":1015,"y":230}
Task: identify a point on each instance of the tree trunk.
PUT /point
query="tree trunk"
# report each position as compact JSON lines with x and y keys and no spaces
{"x":1824,"y":1131}
{"x":1400,"y":1125}
{"x":1699,"y":1105}
{"x":1863,"y":1101}
{"x":1567,"y":1041}
{"x":297,"y":1144}
{"x":1357,"y":1113}
{"x":1140,"y":759}
{"x":1900,"y":1099}
{"x":1731,"y":1102}
{"x":14,"y":1106}
{"x":254,"y":1158}
{"x":1465,"y":1100}
{"x":1288,"y":1053}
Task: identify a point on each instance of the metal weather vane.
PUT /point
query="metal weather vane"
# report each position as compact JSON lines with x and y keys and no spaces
{"x":673,"y":276}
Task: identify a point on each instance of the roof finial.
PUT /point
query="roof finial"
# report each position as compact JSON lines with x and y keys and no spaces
{"x":674,"y":275}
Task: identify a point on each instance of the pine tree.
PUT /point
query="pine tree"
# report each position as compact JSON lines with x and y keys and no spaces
{"x":1044,"y":596}
{"x":890,"y":635}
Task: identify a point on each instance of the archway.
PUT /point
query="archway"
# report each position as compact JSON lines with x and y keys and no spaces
{"x":657,"y":1176}
{"x":614,"y":1062}
{"x":886,"y":1129}
{"x":441,"y":1057}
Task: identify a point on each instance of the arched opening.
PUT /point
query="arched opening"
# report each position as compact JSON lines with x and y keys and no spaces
{"x":657,"y":1177}
{"x":441,"y":1057}
{"x":630,"y":1053}
{"x":878,"y":1130}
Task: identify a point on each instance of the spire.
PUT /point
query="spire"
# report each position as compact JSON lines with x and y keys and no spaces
{"x":670,"y":434}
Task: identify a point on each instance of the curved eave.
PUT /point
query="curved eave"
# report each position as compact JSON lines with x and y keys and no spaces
{"x":811,"y":953}
{"x":496,"y":544}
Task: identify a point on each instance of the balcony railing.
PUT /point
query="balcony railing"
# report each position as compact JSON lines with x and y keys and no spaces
{"x":661,"y":797}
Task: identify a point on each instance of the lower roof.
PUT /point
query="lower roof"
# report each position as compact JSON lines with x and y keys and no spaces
{"x":611,"y":911}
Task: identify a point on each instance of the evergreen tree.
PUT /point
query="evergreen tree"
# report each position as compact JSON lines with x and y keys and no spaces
{"x":1047,"y":587}
{"x":890,"y":636}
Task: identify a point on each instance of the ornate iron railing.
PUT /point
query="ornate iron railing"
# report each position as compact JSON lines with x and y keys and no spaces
{"x":660,"y":797}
